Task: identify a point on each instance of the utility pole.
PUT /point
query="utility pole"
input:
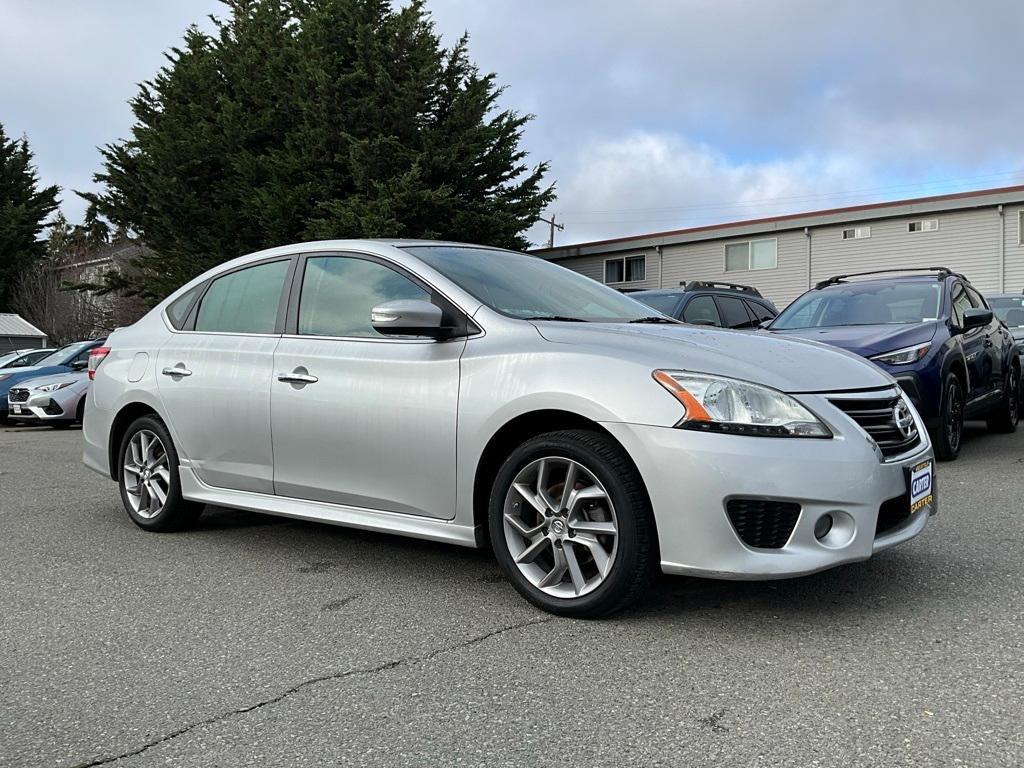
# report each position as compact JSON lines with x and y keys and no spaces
{"x":554,"y":226}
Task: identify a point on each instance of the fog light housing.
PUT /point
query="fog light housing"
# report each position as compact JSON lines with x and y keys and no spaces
{"x":823,"y":526}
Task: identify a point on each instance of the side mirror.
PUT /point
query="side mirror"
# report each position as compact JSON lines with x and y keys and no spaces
{"x":409,"y":317}
{"x":79,"y":365}
{"x":976,"y":318}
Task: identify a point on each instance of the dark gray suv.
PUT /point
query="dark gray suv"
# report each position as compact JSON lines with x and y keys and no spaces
{"x":700,"y":302}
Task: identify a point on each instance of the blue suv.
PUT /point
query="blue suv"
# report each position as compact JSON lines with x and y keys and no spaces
{"x":72,"y":357}
{"x":933,"y":332}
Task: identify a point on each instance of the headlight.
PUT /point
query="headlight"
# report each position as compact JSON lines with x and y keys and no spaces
{"x":904,"y":356}
{"x":718,"y":404}
{"x":53,"y":387}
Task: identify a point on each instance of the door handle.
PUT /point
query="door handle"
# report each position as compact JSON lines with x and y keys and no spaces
{"x":176,"y":372}
{"x":297,"y":378}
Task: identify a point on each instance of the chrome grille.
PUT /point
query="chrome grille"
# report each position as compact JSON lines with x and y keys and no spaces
{"x":878,"y":417}
{"x":18,"y":395}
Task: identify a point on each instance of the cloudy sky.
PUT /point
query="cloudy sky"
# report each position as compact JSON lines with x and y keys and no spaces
{"x":654,"y":114}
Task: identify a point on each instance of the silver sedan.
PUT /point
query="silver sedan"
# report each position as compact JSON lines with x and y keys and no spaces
{"x":488,"y":398}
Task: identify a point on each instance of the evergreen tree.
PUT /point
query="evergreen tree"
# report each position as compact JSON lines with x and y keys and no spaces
{"x":311,"y":119}
{"x":24,"y":208}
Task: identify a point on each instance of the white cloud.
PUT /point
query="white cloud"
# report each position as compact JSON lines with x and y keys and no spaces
{"x":645,"y":182}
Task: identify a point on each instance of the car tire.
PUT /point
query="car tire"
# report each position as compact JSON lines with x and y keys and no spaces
{"x":147,"y":455}
{"x":1005,"y":416}
{"x":601,"y":572}
{"x":949,"y":435}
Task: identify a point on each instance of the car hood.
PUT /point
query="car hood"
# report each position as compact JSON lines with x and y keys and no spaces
{"x":866,"y":340}
{"x":77,"y":377}
{"x":789,"y":365}
{"x":11,"y":376}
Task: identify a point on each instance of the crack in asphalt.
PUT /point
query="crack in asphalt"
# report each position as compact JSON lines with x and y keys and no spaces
{"x":313,"y":681}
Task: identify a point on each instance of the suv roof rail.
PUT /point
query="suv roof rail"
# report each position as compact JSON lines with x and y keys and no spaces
{"x":941,"y":273}
{"x":693,"y":285}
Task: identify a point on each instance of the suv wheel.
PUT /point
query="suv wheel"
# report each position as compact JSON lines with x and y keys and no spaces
{"x":571,"y":524}
{"x":1005,"y":416}
{"x":148,"y":478}
{"x":950,"y":433}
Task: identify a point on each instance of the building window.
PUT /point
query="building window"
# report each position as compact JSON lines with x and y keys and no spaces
{"x":1020,"y":227}
{"x":856,"y":233}
{"x":630,"y":269}
{"x":925,"y":225}
{"x":753,"y":254}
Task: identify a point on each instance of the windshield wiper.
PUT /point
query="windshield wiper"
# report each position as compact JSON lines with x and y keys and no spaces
{"x":655,"y":319}
{"x":558,"y":319}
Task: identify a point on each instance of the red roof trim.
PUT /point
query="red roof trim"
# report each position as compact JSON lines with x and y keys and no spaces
{"x":790,"y":216}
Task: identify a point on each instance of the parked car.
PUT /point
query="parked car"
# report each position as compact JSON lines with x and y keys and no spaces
{"x":71,"y":357}
{"x":23,"y":357}
{"x":932,"y":331}
{"x":1009,"y":307}
{"x":57,"y":401}
{"x":699,"y":302}
{"x":478,"y":396}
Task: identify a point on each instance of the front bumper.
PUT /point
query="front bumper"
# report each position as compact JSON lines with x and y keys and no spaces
{"x":41,"y":406}
{"x":691,"y":476}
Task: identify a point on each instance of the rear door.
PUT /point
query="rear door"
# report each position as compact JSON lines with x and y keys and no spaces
{"x":358,"y":418}
{"x":215,"y":373}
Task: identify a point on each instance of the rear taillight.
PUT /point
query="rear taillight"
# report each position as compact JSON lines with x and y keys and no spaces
{"x":97,"y":356}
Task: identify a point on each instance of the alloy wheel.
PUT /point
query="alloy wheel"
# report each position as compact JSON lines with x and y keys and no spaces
{"x":560,"y":527}
{"x":146,"y":474}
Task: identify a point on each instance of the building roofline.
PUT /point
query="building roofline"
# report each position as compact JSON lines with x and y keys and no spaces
{"x":952,"y":201}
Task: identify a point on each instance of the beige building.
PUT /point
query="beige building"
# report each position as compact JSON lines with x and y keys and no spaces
{"x":980,"y":234}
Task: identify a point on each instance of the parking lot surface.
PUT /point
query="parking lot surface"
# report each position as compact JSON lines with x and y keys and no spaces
{"x":258,"y":640}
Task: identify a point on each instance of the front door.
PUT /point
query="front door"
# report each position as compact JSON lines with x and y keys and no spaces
{"x":357,"y":418}
{"x":214,"y":380}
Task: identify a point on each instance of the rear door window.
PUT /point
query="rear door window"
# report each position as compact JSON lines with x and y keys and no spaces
{"x":734,"y":312}
{"x":244,"y":301}
{"x":701,"y":310}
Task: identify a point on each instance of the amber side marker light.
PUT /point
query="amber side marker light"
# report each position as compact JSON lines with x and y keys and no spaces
{"x":694,"y":410}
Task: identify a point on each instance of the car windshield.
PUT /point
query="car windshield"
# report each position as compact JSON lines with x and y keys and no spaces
{"x":863,"y":304}
{"x":62,"y":355}
{"x":1009,"y":309}
{"x":528,"y":287}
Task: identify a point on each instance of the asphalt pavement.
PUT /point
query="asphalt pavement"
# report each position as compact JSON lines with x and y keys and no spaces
{"x":254,"y":640}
